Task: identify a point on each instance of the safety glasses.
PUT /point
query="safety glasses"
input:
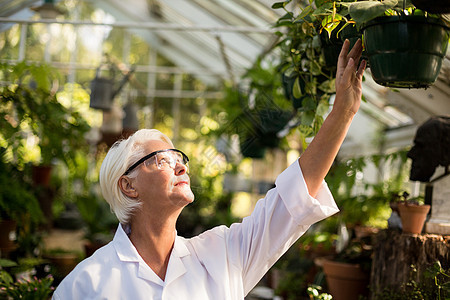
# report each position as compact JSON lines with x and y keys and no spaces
{"x":163,"y":159}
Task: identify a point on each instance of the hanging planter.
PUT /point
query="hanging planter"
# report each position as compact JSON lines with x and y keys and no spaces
{"x":405,"y":51}
{"x":104,"y":89}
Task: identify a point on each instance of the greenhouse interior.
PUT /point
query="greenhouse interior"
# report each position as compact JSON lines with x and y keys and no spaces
{"x":242,"y":88}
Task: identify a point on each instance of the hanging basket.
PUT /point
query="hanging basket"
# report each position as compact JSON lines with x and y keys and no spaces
{"x":405,"y":51}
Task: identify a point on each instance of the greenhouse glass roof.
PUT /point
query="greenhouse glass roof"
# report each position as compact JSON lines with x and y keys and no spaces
{"x":213,"y":40}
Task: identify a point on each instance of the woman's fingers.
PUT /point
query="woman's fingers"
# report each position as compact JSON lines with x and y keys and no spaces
{"x":342,"y":61}
{"x":356,"y":50}
{"x":360,"y":72}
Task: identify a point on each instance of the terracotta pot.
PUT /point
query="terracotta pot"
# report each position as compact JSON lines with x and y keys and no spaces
{"x":345,"y":281}
{"x":91,"y":247}
{"x":63,"y":263}
{"x":7,"y":235}
{"x":41,"y":175}
{"x":413,"y":217}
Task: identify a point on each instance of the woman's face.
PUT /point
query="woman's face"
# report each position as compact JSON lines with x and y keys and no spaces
{"x":161,"y":189}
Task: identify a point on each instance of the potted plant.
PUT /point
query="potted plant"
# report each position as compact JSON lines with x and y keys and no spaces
{"x":413,"y":213}
{"x":348,"y":273}
{"x":404,"y":45}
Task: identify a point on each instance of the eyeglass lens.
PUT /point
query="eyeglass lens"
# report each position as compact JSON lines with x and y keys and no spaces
{"x":166,"y":159}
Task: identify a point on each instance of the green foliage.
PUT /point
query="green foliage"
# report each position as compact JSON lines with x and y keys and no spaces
{"x":97,"y":216}
{"x":35,"y":289}
{"x":434,"y":284}
{"x":314,"y":293}
{"x":294,"y":268}
{"x":308,"y":77}
{"x":257,"y":110}
{"x":26,"y":109}
{"x":369,"y":205}
{"x":17,"y":200}
{"x":212,"y":206}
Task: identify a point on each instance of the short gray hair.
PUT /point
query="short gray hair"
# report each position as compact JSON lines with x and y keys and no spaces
{"x":119,"y":158}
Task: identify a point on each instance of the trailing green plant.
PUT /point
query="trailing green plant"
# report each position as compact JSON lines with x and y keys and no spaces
{"x":308,"y":78}
{"x":29,"y":106}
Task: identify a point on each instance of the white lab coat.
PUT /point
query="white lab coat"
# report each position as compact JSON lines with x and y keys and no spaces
{"x":221,"y":263}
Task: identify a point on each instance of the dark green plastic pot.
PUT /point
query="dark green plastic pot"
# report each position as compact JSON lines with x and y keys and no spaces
{"x":251,"y":147}
{"x":351,"y":33}
{"x":405,"y":51}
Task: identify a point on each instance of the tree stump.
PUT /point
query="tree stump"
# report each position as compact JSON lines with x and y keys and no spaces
{"x":395,"y":253}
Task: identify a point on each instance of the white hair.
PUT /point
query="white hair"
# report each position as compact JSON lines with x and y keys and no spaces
{"x":119,"y":158}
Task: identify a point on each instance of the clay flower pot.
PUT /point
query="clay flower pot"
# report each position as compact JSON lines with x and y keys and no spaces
{"x":346,"y":281}
{"x":413,"y":216}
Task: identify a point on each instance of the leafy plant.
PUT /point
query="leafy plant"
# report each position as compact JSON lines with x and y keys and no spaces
{"x":257,"y":109}
{"x":29,"y":105}
{"x":309,"y":81}
{"x":314,"y":293}
{"x":434,"y":284}
{"x":17,"y":200}
{"x":35,"y":289}
{"x":362,"y":12}
{"x":97,"y":217}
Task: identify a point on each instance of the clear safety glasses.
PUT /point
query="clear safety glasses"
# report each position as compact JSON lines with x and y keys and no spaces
{"x":163,"y":159}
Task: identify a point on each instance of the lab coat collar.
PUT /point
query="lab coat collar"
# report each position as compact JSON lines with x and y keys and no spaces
{"x":128,"y":253}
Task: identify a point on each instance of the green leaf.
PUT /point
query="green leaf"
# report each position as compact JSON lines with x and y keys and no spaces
{"x":315,"y":68}
{"x":365,"y":11}
{"x":306,"y":11}
{"x":277,"y":5}
{"x":309,"y":104}
{"x":322,"y":108}
{"x":296,"y":89}
{"x":328,"y":86}
{"x":323,"y":10}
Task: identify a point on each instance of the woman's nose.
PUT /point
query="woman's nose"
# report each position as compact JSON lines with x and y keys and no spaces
{"x":180,"y":168}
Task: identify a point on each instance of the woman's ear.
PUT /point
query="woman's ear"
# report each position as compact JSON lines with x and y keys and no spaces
{"x":126,"y":186}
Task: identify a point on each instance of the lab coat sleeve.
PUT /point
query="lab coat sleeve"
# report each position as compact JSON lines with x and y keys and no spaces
{"x":276,"y":223}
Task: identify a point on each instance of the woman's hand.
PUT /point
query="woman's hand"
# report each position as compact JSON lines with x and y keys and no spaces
{"x":349,"y":79}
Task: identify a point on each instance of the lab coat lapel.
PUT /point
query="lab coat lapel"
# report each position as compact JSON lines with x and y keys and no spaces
{"x":176,"y":267}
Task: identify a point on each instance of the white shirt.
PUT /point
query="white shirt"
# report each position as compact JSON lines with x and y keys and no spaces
{"x":221,"y":263}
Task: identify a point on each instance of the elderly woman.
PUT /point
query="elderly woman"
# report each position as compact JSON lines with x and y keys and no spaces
{"x":146,"y":182}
